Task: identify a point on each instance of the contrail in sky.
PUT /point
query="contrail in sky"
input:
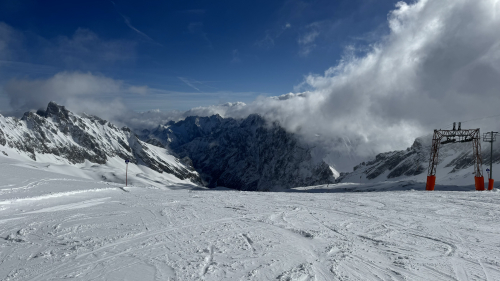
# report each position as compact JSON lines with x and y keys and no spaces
{"x":127,"y":22}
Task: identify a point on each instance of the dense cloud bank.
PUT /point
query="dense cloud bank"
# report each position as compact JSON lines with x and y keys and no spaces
{"x":439,"y":63}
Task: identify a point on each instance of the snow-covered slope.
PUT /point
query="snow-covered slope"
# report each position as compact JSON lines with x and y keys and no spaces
{"x":58,"y":227}
{"x":57,"y":136}
{"x":455,"y":164}
{"x":246,"y":154}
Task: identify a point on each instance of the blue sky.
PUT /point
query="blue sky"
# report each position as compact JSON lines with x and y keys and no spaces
{"x":372,"y":75}
{"x":190,"y":53}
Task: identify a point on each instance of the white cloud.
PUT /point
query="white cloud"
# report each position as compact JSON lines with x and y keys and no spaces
{"x":439,"y":63}
{"x":64,"y":88}
{"x":265,"y":43}
{"x":309,"y":35}
{"x":113,"y":99}
{"x":83,"y":50}
{"x":268,"y":41}
{"x":140,"y":90}
{"x":10,"y":42}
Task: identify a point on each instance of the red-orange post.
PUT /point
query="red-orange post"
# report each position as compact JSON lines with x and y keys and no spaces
{"x":479,"y":183}
{"x":431,"y":182}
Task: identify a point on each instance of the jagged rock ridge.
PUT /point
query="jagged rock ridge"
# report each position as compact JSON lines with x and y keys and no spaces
{"x":77,"y":138}
{"x":246,"y":154}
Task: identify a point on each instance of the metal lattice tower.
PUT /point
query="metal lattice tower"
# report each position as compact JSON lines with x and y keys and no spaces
{"x":468,"y":135}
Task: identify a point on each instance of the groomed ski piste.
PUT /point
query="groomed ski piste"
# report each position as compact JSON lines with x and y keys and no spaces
{"x":58,"y":223}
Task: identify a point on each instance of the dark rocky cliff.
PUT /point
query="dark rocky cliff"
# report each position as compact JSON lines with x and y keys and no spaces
{"x":247,"y":154}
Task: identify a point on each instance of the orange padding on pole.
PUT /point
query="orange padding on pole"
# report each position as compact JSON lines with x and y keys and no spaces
{"x":490,"y":184}
{"x":479,"y":183}
{"x":431,"y":182}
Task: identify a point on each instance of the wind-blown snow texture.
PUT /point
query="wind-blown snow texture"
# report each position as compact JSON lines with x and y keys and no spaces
{"x":66,"y":135}
{"x":245,"y":154}
{"x":57,"y":227}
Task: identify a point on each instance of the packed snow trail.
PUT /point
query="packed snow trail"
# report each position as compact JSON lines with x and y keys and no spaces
{"x":54,"y":227}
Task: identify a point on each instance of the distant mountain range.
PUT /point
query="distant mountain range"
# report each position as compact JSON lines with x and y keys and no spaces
{"x":246,"y":154}
{"x":243,"y":154}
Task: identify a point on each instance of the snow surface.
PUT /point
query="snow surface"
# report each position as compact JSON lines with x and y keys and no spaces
{"x":56,"y":226}
{"x":113,"y":171}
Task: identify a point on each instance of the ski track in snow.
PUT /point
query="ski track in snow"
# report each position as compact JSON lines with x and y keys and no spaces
{"x":63,"y":228}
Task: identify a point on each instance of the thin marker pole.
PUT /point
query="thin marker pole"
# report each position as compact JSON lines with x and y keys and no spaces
{"x":126,"y":172}
{"x":490,"y":137}
{"x":491,"y":156}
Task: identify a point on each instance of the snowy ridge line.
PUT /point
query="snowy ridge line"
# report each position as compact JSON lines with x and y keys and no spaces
{"x":58,"y":136}
{"x":140,"y":235}
{"x":55,"y":195}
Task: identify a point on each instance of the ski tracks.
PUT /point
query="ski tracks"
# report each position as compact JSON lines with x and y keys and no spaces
{"x":208,"y":260}
{"x":141,"y":236}
{"x":212,"y":235}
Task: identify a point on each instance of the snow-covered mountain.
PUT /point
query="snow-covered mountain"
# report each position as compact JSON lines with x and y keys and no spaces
{"x":455,"y":163}
{"x":54,"y":226}
{"x":59,"y":136}
{"x":246,"y":154}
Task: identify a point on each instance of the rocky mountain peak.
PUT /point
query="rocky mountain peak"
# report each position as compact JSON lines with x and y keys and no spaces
{"x":59,"y":132}
{"x":253,"y":120}
{"x":55,"y":110}
{"x":245,"y":154}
